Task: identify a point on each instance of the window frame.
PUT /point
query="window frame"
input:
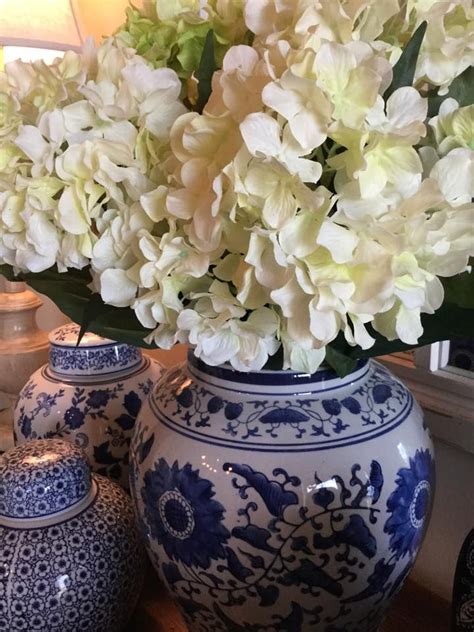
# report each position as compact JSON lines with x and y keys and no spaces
{"x":446,"y":393}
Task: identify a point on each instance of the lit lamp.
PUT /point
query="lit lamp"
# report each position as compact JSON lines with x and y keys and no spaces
{"x":102,"y":18}
{"x":44,"y":29}
{"x":38,"y":29}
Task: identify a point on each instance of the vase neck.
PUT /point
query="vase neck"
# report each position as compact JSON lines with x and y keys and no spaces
{"x":264,"y":381}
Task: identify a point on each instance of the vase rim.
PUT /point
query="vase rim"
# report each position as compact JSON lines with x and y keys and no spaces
{"x":263,"y":377}
{"x":93,"y":357}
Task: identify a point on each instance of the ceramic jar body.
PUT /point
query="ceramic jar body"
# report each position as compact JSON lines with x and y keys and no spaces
{"x":77,"y":570}
{"x":95,"y":410}
{"x":278,"y":501}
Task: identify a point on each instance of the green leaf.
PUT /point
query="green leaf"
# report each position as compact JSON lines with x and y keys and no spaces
{"x":459,"y":290}
{"x":70,"y":292}
{"x":205,"y":72}
{"x":404,"y":69}
{"x":121,"y":324}
{"x":340,"y":362}
{"x":7,"y":271}
{"x":91,"y":311}
{"x":461,"y":89}
{"x":275,"y":362}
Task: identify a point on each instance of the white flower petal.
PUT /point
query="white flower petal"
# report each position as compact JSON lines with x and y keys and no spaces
{"x":340,"y":241}
{"x":261,"y":134}
{"x":408,"y":325}
{"x":116,"y":288}
{"x":455,"y":176}
{"x":32,"y":143}
{"x":406,"y":106}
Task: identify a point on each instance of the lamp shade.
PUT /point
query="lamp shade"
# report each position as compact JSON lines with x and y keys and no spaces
{"x":100,"y":19}
{"x":50,"y":24}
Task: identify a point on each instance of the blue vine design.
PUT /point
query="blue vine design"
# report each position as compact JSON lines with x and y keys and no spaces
{"x":374,"y":403}
{"x":44,"y":403}
{"x":110,"y":456}
{"x":116,"y":357}
{"x":281,"y":553}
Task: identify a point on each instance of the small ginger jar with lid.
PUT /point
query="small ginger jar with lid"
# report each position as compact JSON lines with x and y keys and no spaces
{"x":70,"y":555}
{"x":89,"y":394}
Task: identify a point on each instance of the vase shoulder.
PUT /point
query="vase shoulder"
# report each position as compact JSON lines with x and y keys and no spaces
{"x":275,"y":410}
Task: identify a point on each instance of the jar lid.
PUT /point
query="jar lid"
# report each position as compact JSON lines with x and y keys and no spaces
{"x":41,"y":478}
{"x":93,"y":356}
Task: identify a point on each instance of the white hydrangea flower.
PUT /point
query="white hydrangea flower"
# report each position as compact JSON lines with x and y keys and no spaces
{"x":455,"y":176}
{"x":304,"y":106}
{"x":219,"y":337}
{"x":448,"y":46}
{"x":301,"y":205}
{"x":30,"y":239}
{"x":453,"y":126}
{"x":350,"y":80}
{"x":237,"y":88}
{"x":297,"y":358}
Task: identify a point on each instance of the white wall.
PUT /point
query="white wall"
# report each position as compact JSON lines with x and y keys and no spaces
{"x":451,"y":521}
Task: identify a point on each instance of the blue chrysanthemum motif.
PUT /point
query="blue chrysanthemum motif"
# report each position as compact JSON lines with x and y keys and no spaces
{"x":410,"y":503}
{"x":182,"y":514}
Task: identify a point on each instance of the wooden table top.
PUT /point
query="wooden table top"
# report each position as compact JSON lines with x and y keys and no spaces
{"x":414,"y":610}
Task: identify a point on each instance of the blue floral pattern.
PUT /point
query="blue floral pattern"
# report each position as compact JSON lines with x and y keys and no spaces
{"x":305,"y":539}
{"x":65,"y":332}
{"x":28,"y":492}
{"x":183,"y":516}
{"x":43,"y":404}
{"x":83,"y":574}
{"x":113,"y":358}
{"x":318,"y":546}
{"x":379,"y":401}
{"x":112,"y":407}
{"x":409,"y":504}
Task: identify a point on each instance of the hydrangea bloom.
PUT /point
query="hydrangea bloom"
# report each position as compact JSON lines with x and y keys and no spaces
{"x":300,"y":205}
{"x":172,"y":33}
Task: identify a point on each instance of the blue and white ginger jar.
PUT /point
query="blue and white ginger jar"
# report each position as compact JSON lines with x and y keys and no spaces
{"x":279,"y":501}
{"x":90,"y":395}
{"x":71,"y":559}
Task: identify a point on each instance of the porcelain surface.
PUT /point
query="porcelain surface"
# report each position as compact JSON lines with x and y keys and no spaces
{"x":280,"y":501}
{"x":74,"y":566}
{"x":90,"y":395}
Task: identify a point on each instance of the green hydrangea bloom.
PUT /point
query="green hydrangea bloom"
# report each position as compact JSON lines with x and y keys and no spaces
{"x":155,"y":41}
{"x":177,"y":41}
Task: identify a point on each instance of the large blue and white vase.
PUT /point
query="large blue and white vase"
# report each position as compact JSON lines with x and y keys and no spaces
{"x":71,"y":558}
{"x":280,"y":501}
{"x":89,"y":394}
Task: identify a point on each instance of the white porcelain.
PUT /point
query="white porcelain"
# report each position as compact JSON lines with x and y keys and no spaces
{"x":90,"y":395}
{"x":282,"y":501}
{"x":71,"y":559}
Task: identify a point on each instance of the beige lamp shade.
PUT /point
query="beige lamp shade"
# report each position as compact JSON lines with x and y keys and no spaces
{"x":59,"y":24}
{"x":40,"y":29}
{"x":49,"y":24}
{"x":102,"y":18}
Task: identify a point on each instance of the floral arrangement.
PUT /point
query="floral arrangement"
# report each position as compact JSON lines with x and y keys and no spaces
{"x":286,"y":179}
